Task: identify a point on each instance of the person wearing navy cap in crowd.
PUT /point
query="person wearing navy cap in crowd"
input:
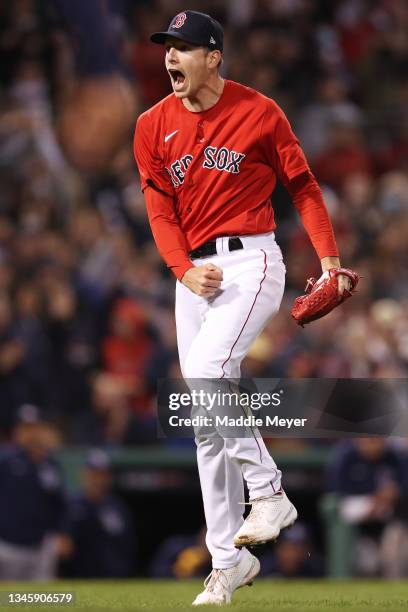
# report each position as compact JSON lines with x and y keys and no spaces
{"x":369,"y":478}
{"x":32,"y":501}
{"x":293,"y":556}
{"x":99,"y":526}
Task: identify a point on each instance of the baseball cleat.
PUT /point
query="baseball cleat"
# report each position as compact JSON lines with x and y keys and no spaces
{"x":268,"y":516}
{"x":221,"y":583}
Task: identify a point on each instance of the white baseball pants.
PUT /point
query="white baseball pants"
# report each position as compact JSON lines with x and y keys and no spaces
{"x":214,"y":335}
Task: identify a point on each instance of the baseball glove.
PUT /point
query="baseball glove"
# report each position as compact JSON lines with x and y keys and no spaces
{"x":321,"y":296}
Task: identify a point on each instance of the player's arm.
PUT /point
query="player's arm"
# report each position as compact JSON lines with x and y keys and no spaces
{"x":290,"y":164}
{"x":308,"y":200}
{"x":170,"y":241}
{"x":169,"y":238}
{"x":164,"y":221}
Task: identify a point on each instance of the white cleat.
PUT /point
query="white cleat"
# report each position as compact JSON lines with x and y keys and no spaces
{"x":221,"y":583}
{"x":268,"y":516}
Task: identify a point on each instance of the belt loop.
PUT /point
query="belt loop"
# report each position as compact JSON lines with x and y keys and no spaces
{"x":218,"y":245}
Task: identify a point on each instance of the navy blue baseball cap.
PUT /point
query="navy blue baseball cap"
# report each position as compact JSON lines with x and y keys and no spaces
{"x":195,"y":28}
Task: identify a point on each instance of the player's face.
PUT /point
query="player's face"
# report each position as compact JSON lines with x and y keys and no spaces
{"x":188,"y":67}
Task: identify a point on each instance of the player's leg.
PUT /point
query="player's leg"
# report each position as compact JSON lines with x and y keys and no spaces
{"x":221,"y":481}
{"x":222,"y":490}
{"x":251,"y":293}
{"x":189,"y":311}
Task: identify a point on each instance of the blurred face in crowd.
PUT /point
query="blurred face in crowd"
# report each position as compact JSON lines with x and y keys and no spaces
{"x":332,"y":90}
{"x":28,"y":301}
{"x":61,"y":301}
{"x":128,"y":320}
{"x":108,"y":395}
{"x":291,"y":556}
{"x":86,"y":228}
{"x":123,"y":329}
{"x":37,"y":439}
{"x":96,"y":483}
{"x":344,"y":135}
{"x":190,"y":67}
{"x":371,"y":448}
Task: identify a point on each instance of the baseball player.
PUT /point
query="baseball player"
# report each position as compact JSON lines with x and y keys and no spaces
{"x":209,"y":156}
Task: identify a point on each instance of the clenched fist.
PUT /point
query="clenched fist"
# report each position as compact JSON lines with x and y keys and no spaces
{"x":203,"y":280}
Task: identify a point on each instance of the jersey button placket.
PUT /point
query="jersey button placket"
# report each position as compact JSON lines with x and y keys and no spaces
{"x":200,"y":132}
{"x":199,"y":140}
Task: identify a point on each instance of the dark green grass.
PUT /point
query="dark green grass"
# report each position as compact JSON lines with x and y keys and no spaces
{"x":159,"y":596}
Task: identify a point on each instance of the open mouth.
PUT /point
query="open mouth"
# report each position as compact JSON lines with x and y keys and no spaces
{"x":177,"y":77}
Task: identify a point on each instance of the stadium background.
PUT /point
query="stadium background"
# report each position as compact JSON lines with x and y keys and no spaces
{"x":86,"y":306}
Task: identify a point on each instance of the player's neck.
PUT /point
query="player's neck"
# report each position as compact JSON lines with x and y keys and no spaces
{"x":206,"y":97}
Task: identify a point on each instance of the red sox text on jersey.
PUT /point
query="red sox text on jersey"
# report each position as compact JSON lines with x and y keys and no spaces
{"x":221,"y":159}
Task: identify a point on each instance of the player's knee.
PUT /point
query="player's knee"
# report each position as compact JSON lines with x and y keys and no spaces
{"x":214,"y":368}
{"x":197,"y":369}
{"x":208,"y":442}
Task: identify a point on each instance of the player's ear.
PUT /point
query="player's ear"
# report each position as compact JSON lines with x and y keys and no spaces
{"x":215,"y":58}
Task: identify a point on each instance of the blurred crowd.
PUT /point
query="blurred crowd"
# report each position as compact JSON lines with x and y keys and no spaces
{"x":46,"y":531}
{"x":86,"y":305}
{"x":43,"y":531}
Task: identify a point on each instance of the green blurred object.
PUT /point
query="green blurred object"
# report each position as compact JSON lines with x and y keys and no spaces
{"x":339,"y":538}
{"x":72,"y":459}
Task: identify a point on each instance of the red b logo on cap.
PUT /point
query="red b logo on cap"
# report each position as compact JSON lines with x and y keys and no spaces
{"x":180,"y":20}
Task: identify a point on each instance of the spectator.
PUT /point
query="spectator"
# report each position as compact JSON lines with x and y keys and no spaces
{"x":112,"y":422}
{"x":293,"y":556}
{"x":314,"y":123}
{"x":127,"y":350}
{"x":182,"y":556}
{"x":12,"y":352}
{"x":99,"y":526}
{"x":345,"y":153}
{"x":369,"y":475}
{"x":32,"y":501}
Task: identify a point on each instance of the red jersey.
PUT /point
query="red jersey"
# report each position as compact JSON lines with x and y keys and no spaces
{"x":220,"y":165}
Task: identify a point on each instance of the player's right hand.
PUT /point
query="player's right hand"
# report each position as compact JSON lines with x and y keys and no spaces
{"x":203,"y":280}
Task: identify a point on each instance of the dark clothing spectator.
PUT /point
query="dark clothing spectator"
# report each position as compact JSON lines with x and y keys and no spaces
{"x":369,"y":477}
{"x":312,"y":567}
{"x":103,"y":538}
{"x":30,"y":511}
{"x":170,"y":555}
{"x":181,"y":556}
{"x":352,"y":473}
{"x":293,"y":556}
{"x":32,"y":499}
{"x":167,"y":553}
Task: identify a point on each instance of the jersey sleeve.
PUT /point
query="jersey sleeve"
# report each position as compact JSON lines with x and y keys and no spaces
{"x":308,"y":200}
{"x":169,"y":238}
{"x":286,"y":157}
{"x":151,"y":167}
{"x":281,"y":146}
